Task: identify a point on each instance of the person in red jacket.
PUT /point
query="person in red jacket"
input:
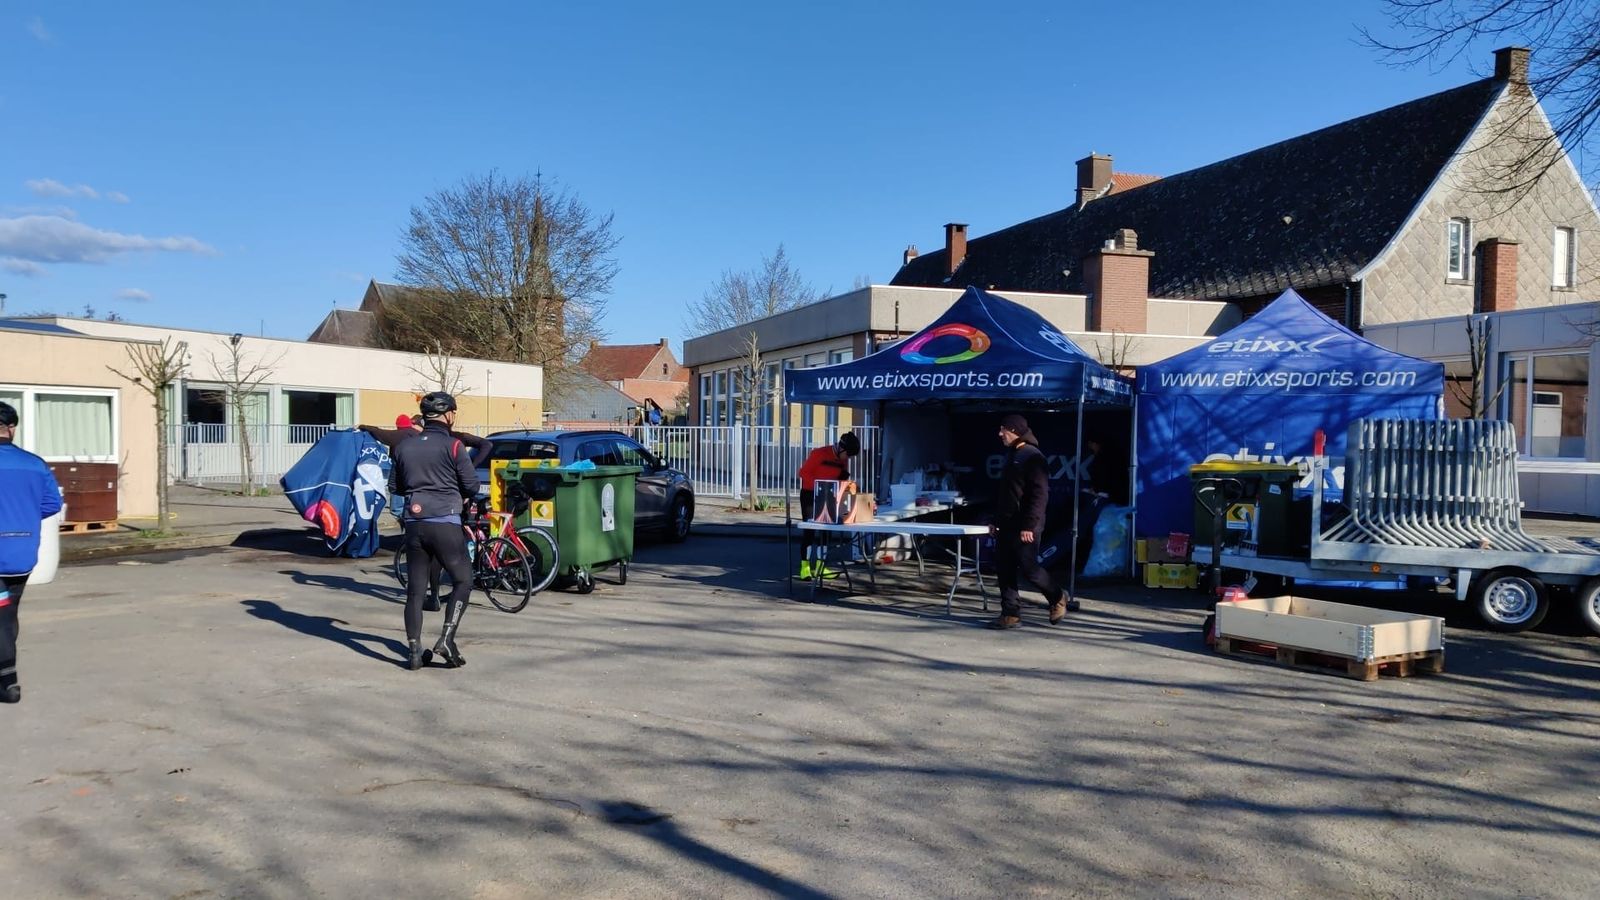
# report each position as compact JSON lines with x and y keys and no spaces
{"x":830,"y":463}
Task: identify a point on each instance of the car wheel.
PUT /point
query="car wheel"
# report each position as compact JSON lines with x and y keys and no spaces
{"x":680,"y":516}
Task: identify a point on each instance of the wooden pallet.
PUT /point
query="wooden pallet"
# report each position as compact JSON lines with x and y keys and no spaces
{"x":88,"y":527}
{"x":1400,"y":665}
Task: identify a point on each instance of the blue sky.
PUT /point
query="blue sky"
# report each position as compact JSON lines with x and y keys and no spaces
{"x":239,"y":167}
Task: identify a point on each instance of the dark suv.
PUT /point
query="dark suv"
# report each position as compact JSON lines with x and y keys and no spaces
{"x":665,"y":498}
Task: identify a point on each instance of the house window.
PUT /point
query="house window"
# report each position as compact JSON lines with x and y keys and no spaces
{"x":74,"y":426}
{"x":13,"y":398}
{"x":705,"y":399}
{"x":1562,"y":268}
{"x":663,"y":368}
{"x":1458,"y":238}
{"x":835,"y":358}
{"x":310,"y":413}
{"x":1548,"y":409}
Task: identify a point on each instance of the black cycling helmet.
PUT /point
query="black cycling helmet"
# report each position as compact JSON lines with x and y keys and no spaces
{"x":849,"y":443}
{"x":437,"y":404}
{"x":8,"y":415}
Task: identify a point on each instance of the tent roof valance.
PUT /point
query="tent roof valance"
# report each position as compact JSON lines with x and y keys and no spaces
{"x":984,"y":348}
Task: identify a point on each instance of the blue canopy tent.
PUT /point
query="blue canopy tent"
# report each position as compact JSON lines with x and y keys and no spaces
{"x":1262,"y":391}
{"x":984,"y":350}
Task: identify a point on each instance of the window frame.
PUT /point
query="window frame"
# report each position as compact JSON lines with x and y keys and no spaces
{"x":1464,"y":273}
{"x":1566,"y":277}
{"x":28,"y":430}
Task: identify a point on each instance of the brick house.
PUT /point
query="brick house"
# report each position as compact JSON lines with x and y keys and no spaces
{"x":641,"y":371}
{"x":1380,"y":219}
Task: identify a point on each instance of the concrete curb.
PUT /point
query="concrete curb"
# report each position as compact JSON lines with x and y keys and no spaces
{"x":141,"y":547}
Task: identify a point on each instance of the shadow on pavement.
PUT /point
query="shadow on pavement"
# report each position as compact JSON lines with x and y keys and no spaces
{"x":659,"y":827}
{"x":327,"y":627}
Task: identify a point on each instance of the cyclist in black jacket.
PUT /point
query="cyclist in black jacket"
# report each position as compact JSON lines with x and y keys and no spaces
{"x":435,"y":472}
{"x":407,"y":427}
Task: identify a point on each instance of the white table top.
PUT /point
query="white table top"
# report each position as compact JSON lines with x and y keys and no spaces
{"x":898,"y":513}
{"x":929,"y":528}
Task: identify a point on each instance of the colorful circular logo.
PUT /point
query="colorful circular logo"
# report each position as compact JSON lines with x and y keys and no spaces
{"x":977,"y":342}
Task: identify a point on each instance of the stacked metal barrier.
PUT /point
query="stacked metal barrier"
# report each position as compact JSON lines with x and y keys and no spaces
{"x":1433,"y":483}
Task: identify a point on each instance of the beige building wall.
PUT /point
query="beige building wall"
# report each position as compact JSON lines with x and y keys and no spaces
{"x":1407,"y":281}
{"x":62,"y":361}
{"x":381,"y":407}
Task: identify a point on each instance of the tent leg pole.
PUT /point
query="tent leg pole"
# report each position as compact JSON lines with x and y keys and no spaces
{"x":1077,"y":499}
{"x":1133,"y":486}
{"x":788,"y":508}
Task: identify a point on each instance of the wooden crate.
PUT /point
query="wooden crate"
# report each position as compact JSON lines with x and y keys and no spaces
{"x":1365,"y":637}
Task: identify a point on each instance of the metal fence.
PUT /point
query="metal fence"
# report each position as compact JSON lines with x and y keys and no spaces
{"x":210,"y":454}
{"x":718,"y":458}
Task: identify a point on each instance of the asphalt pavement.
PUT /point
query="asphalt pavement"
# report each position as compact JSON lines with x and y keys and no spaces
{"x":235,"y":723}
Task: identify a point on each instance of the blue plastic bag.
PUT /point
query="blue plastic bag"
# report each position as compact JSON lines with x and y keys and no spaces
{"x":582,"y":465}
{"x":1108,"y":558}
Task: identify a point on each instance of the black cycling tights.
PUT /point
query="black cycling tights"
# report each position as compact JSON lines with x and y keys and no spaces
{"x":425,"y":543}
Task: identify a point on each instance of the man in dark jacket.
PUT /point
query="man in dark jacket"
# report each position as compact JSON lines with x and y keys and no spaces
{"x":409,"y":427}
{"x":1019,"y":524}
{"x":435,"y":472}
{"x":28,"y":495}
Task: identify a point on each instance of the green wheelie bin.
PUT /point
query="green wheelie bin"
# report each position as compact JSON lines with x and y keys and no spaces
{"x":1265,"y":517}
{"x":590,"y":512}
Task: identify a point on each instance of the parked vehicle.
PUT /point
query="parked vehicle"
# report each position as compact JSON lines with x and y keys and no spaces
{"x":664,"y":501}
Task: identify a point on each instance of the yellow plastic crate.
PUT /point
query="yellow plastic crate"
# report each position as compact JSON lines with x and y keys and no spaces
{"x":1171,"y":575}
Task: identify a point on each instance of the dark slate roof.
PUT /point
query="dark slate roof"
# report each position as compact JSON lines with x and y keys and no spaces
{"x":25,"y":325}
{"x":347,"y":327}
{"x":1218,"y":232}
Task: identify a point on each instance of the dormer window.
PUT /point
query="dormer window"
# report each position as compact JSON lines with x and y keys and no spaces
{"x":1458,"y":241}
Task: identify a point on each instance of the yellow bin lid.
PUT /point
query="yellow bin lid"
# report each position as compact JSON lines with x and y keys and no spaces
{"x":1239,"y":467}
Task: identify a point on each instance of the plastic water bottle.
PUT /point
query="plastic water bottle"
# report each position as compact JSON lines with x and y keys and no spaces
{"x":472,"y":548}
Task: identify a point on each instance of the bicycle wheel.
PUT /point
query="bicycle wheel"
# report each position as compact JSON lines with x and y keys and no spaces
{"x":501,"y":571}
{"x":400,"y":565}
{"x":544,"y":558}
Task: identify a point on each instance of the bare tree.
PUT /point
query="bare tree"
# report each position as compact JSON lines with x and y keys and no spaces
{"x":1473,"y":392}
{"x":1565,"y":71}
{"x":439,"y":371}
{"x":156,"y":368}
{"x":750,"y":377}
{"x":741,"y":297}
{"x":509,"y":269}
{"x":241,"y":376}
{"x":1116,"y":350}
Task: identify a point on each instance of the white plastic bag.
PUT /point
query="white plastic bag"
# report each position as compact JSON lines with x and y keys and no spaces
{"x":1108,"y":557}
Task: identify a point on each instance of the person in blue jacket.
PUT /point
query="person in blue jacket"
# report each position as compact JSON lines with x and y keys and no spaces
{"x":28,"y":495}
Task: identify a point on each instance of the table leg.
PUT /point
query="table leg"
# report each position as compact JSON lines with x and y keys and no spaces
{"x":916,"y":549}
{"x":872,"y":560}
{"x":955,"y":580}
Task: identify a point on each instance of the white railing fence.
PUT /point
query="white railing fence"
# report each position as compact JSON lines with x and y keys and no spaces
{"x":716,"y":457}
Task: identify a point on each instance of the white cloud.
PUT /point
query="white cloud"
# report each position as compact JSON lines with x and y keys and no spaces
{"x":53,"y":239}
{"x":38,"y":30}
{"x":22,"y":267}
{"x":116,"y":196}
{"x":49,"y":187}
{"x":134,"y":294}
{"x":12,"y":211}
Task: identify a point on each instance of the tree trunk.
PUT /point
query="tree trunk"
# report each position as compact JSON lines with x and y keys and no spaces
{"x":161,"y":460}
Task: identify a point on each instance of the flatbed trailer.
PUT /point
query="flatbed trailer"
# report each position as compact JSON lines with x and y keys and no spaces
{"x":1509,"y":589}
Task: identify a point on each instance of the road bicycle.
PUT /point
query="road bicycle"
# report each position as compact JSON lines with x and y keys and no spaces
{"x":509,"y":565}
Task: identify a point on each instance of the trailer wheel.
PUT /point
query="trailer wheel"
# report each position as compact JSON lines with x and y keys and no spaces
{"x":1589,"y":603}
{"x":1510,"y":600}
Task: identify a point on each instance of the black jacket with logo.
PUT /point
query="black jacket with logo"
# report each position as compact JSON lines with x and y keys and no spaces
{"x":434,"y":471}
{"x":1024,"y":487}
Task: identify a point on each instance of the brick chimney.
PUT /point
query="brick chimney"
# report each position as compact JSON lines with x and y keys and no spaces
{"x":955,"y":245}
{"x":1497,"y":275}
{"x":662,"y":343}
{"x":909,"y":255}
{"x":1094,"y":174}
{"x":1511,"y":64}
{"x":1117,"y":280}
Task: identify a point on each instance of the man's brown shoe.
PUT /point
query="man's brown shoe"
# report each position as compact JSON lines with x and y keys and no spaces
{"x":1001,"y":623}
{"x":1060,"y":608}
